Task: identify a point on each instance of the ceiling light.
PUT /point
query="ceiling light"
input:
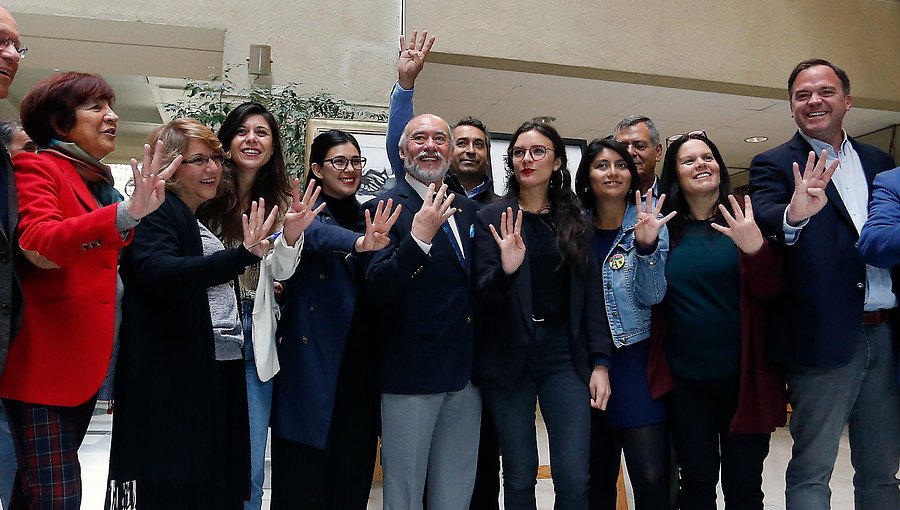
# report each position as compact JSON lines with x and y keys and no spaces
{"x":546,"y":119}
{"x":756,"y":139}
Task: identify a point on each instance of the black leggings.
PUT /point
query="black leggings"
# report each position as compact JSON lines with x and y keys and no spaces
{"x":647,"y":456}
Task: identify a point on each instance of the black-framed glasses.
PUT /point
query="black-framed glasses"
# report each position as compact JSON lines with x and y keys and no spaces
{"x":674,"y":138}
{"x":538,"y":152}
{"x":340,"y":162}
{"x":20,"y":49}
{"x":201,"y":160}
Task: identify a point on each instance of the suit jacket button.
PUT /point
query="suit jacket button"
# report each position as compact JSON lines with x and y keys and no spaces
{"x":468,"y":320}
{"x":856,"y":245}
{"x":312,"y":308}
{"x":860,"y":285}
{"x":322,"y":276}
{"x":304,"y":340}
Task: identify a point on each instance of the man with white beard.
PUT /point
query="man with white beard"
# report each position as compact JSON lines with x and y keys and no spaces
{"x":426,"y":327}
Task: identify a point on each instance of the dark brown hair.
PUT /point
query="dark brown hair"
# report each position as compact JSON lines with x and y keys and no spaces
{"x":806,"y":64}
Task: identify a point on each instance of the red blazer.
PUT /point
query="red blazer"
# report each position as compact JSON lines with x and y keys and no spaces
{"x":762,"y":394}
{"x":62,"y":351}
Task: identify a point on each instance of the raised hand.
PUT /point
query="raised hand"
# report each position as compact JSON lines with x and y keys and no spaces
{"x":256,"y":227}
{"x":741,"y":227}
{"x":809,"y":189}
{"x":509,"y":240}
{"x":302,"y":211}
{"x":649,"y":222}
{"x":434,"y":212}
{"x":412,"y":58}
{"x":377,"y":227}
{"x":599,"y":387}
{"x":149,"y":182}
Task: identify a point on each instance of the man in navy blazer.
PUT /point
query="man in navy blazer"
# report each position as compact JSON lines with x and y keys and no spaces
{"x":831,"y":328}
{"x":879,"y":241}
{"x":430,"y":409}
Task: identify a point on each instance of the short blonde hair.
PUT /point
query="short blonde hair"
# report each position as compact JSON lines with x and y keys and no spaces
{"x":177,"y":135}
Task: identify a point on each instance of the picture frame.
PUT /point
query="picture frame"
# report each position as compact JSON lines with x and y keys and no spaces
{"x":377,"y":176}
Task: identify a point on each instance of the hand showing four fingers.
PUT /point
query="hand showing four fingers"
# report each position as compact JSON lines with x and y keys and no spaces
{"x":649,"y":222}
{"x":434,"y":212}
{"x":509,"y":240}
{"x":256,"y":227}
{"x":378,"y":226}
{"x":742,"y":229}
{"x":302,"y":211}
{"x":412,"y":58}
{"x":150,"y":186}
{"x":809,"y":188}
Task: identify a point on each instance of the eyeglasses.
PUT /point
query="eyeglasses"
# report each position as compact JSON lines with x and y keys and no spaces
{"x":537,"y":152}
{"x":674,"y":138}
{"x":200,"y":160}
{"x":340,"y":162}
{"x":7,"y":40}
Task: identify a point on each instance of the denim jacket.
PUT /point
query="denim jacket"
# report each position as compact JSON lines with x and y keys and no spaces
{"x":640,"y":283}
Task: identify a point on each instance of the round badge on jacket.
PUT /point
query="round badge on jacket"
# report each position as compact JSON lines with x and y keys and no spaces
{"x":617,"y":262}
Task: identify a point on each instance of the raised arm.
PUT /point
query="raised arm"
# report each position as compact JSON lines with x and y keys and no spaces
{"x":410,"y":64}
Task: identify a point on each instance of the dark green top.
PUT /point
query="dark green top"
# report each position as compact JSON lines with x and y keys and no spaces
{"x":702,"y":304}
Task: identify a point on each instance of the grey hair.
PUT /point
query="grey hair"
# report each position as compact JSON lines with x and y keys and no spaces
{"x":7,"y":129}
{"x":631,"y":120}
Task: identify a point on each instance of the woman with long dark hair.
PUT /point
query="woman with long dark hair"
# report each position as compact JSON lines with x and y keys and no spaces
{"x":631,"y":243}
{"x":544,"y":330}
{"x":708,"y":341}
{"x":254,"y":169}
{"x":325,"y":407}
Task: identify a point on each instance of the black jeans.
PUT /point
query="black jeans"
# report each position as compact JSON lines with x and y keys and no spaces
{"x":647,"y":455}
{"x":700,"y":414}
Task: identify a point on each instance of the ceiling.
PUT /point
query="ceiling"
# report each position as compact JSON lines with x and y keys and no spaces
{"x":584,"y":108}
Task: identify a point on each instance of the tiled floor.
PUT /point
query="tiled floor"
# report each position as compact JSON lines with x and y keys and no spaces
{"x":95,"y":454}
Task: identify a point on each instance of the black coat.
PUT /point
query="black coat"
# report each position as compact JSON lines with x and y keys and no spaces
{"x":170,"y":424}
{"x":505,"y":302}
{"x":425,"y":312}
{"x":10,"y":290}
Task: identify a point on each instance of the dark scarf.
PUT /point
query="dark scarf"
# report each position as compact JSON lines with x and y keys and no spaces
{"x":95,"y":174}
{"x":345,"y":211}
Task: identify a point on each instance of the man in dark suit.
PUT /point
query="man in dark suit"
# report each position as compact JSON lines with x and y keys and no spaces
{"x":831,"y":326}
{"x":430,"y":409}
{"x":10,"y":292}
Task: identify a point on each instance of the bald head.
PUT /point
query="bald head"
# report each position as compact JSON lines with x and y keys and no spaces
{"x":425,"y":148}
{"x":9,"y":55}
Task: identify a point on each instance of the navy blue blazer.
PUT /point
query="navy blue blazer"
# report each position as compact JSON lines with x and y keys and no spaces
{"x":817,"y":320}
{"x":317,"y":310}
{"x":426,"y":318}
{"x":507,"y":330}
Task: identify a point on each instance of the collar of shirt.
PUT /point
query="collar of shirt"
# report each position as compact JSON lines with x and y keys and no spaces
{"x":833,"y":153}
{"x":478,"y":189}
{"x":418,"y":186}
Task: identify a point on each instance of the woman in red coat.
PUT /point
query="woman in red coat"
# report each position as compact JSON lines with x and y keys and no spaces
{"x":72,"y":224}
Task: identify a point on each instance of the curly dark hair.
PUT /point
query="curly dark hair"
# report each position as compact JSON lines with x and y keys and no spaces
{"x":565,"y":209}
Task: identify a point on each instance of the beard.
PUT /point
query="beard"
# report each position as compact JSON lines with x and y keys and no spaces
{"x":426,"y":176}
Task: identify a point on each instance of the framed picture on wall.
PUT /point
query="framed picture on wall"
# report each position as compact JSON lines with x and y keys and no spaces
{"x":500,"y":142}
{"x":377,"y":176}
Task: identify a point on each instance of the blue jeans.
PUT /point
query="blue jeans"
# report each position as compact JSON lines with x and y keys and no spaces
{"x":863,"y":394}
{"x":259,"y":402}
{"x":549,"y":378}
